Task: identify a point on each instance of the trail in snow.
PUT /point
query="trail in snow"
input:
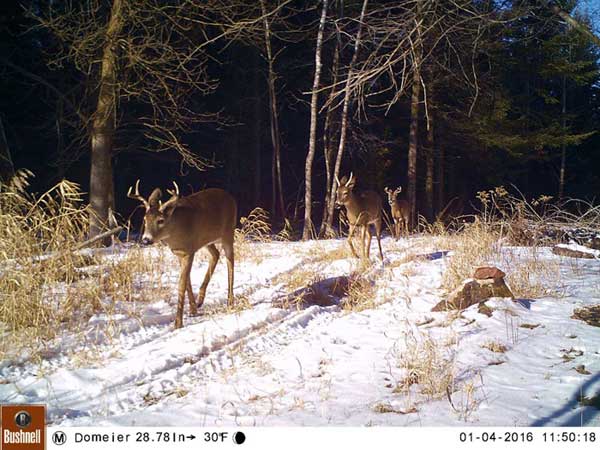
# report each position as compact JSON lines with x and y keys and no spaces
{"x":319,"y":365}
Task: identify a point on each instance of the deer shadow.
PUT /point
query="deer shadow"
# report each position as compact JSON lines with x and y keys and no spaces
{"x":580,"y":409}
{"x":324,"y":293}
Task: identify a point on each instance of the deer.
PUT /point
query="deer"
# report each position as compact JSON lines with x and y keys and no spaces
{"x":362,"y":209}
{"x":186,"y":225}
{"x":400,"y":210}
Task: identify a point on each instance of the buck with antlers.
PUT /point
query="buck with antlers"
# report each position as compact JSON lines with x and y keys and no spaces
{"x":187,"y":224}
{"x":362,"y":209}
{"x":400,"y":211}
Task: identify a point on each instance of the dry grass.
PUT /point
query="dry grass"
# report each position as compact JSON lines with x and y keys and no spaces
{"x":255,"y":228}
{"x":361,"y":293}
{"x":47,"y":286}
{"x":425,"y":364}
{"x":475,"y":245}
{"x":495,"y":346}
{"x":479,"y":243}
{"x":299,"y":277}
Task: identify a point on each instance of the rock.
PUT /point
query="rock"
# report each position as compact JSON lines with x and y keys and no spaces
{"x":579,"y":252}
{"x":485,"y":309}
{"x":473,"y":292}
{"x":486,"y":273}
{"x":582,"y":370}
{"x":589,"y":314}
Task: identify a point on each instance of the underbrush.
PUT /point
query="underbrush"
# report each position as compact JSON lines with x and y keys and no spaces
{"x":427,"y":366}
{"x":513,"y":234}
{"x":47,"y":284}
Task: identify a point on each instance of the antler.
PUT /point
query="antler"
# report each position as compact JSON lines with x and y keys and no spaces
{"x":349,"y":179}
{"x":337,"y":180}
{"x":398,"y":190}
{"x":173,"y":199}
{"x":136,"y":195}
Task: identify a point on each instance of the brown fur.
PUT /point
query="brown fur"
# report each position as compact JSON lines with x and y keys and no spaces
{"x":363,"y":209}
{"x":187,"y":224}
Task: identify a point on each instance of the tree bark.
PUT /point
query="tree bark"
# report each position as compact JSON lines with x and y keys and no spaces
{"x":563,"y":147}
{"x":103,"y":127}
{"x":327,"y":140}
{"x":7,"y":169}
{"x":413,"y":138}
{"x":257,"y":131}
{"x":574,"y":23}
{"x":344,"y":121}
{"x":413,"y":142}
{"x":430,"y":151}
{"x":277,"y":188}
{"x":308,"y":224}
{"x":440,"y":172}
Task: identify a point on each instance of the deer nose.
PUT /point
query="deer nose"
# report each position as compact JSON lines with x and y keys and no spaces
{"x":146,"y":241}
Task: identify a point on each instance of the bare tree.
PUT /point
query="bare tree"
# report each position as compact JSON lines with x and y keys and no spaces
{"x":144,"y":52}
{"x":7,"y":168}
{"x":348,"y":93}
{"x":413,"y":138}
{"x":328,"y":133}
{"x":429,"y":154}
{"x":277,"y":189}
{"x":308,"y":224}
{"x":103,"y":126}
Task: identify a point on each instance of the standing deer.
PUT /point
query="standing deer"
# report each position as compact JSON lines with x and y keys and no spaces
{"x":400,"y":210}
{"x":187,"y":224}
{"x":362,"y":210}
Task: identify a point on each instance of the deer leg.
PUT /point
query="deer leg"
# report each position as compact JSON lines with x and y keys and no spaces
{"x":350,"y":234}
{"x":228,"y":248}
{"x":368,"y":236}
{"x":186,"y":265}
{"x":212,"y":263}
{"x":378,"y":235}
{"x":190,"y":292}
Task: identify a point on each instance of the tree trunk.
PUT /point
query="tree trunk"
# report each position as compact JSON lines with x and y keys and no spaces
{"x":7,"y":169}
{"x":103,"y":127}
{"x":327,"y":140}
{"x":413,"y":138}
{"x":563,"y":147}
{"x":440,"y":178}
{"x":429,"y":162}
{"x":344,"y":121}
{"x":308,"y":224}
{"x":277,"y":188}
{"x":413,"y":141}
{"x":257,"y":131}
{"x":573,"y":23}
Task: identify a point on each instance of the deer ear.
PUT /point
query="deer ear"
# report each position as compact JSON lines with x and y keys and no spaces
{"x":155,"y":197}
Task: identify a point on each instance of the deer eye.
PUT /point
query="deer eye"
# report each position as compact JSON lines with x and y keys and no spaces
{"x":160,"y":221}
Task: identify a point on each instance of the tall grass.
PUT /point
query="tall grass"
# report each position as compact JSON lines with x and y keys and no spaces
{"x":47,"y":286}
{"x":507,"y":221}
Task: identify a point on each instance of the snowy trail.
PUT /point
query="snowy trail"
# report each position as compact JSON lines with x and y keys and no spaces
{"x":319,"y":365}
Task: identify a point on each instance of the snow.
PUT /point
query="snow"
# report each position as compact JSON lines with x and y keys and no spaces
{"x":324,"y":365}
{"x":580,"y":248}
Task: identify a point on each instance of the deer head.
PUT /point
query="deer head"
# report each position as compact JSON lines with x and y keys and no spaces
{"x":158,"y":214}
{"x":345,"y":187}
{"x":392,"y":194}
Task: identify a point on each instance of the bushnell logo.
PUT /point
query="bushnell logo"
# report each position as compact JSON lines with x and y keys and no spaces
{"x":23,"y":419}
{"x":23,"y":427}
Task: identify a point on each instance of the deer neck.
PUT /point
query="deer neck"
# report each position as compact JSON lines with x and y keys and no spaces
{"x":354,"y":206}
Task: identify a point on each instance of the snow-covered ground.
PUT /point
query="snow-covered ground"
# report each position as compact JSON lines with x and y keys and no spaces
{"x":323,"y":365}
